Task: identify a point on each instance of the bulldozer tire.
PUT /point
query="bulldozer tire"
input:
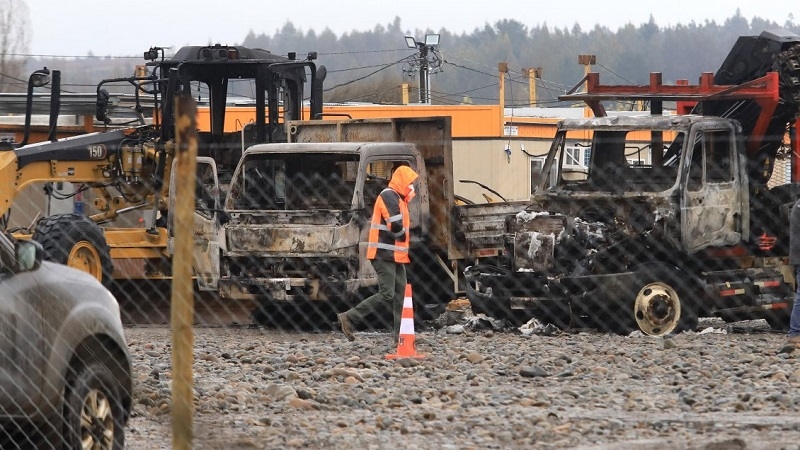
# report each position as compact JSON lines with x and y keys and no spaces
{"x":74,"y":240}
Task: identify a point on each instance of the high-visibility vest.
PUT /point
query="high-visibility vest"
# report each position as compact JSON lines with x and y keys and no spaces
{"x":382,"y":241}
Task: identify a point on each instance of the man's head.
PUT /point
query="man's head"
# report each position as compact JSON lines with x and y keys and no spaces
{"x":402,"y":181}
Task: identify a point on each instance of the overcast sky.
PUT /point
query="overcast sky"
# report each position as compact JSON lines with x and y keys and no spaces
{"x":125,"y":28}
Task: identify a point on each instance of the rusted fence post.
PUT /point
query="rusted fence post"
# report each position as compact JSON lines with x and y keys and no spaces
{"x":182,"y":315}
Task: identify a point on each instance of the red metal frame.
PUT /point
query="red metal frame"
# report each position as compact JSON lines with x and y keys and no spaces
{"x":764,"y":91}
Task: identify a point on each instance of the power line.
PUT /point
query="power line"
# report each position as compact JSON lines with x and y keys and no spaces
{"x":357,"y":68}
{"x":476,"y":89}
{"x":614,"y":73}
{"x":473,"y":62}
{"x":43,"y":55}
{"x":469,"y":68}
{"x":30,"y":55}
{"x":373,"y":94}
{"x":25,"y":82}
{"x":545,"y":83}
{"x":359,"y":52}
{"x":365,"y":76}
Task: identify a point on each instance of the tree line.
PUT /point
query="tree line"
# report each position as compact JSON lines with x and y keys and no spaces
{"x":469,"y":61}
{"x":369,"y":66}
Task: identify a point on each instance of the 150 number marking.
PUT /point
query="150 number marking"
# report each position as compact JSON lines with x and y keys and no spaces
{"x":97,"y":151}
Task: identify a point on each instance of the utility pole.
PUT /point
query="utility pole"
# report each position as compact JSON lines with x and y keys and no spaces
{"x":502,"y":69}
{"x":587,"y":61}
{"x":425,"y":49}
{"x":532,"y":74}
{"x":424,"y":80}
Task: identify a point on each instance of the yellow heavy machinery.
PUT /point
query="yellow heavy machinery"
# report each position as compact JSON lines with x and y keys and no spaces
{"x":126,"y":169}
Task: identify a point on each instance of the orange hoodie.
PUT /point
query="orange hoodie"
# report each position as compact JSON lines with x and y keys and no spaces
{"x":402,"y":182}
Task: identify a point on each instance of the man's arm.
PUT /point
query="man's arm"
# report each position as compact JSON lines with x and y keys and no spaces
{"x":394,"y":218}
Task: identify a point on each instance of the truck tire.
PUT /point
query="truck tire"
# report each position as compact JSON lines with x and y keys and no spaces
{"x":76,"y":241}
{"x":660,"y":305}
{"x":93,"y":413}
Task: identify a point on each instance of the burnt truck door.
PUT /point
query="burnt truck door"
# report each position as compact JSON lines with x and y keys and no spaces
{"x":711,"y":204}
{"x":205,"y":247}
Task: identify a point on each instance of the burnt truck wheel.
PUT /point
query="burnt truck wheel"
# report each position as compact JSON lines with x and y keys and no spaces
{"x":482,"y":289}
{"x":76,"y":241}
{"x":489,"y":290}
{"x":660,"y":306}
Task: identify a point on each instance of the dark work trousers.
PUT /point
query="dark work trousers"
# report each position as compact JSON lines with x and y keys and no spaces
{"x":794,"y":319}
{"x":391,"y":290}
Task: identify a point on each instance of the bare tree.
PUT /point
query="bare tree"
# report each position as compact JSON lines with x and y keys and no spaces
{"x":14,"y":41}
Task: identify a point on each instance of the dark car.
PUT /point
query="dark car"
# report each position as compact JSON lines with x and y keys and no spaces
{"x":65,"y":369}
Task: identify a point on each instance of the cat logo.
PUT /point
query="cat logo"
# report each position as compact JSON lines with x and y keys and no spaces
{"x":97,"y":151}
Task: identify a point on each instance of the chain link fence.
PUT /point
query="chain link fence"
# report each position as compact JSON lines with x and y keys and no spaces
{"x":641,"y":226}
{"x":297,"y":226}
{"x":637,"y":228}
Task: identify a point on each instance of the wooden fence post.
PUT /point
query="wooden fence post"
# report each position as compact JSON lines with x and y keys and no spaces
{"x":182,"y":314}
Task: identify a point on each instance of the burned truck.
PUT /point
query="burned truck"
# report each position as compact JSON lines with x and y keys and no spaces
{"x":290,"y":233}
{"x":674,"y":217}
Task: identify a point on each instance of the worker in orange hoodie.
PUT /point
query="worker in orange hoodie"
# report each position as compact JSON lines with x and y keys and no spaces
{"x":388,"y":245}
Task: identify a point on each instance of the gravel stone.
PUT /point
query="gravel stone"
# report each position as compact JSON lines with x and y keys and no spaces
{"x":257,"y":388}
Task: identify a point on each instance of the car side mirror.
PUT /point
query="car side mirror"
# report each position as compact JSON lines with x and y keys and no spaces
{"x":28,"y":254}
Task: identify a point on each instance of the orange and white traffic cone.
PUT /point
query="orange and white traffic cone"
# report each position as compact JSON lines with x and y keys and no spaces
{"x":405,"y":343}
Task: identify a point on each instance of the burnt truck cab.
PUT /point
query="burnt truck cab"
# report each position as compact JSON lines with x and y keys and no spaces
{"x":299,"y":214}
{"x":680,"y":178}
{"x":653,"y":232}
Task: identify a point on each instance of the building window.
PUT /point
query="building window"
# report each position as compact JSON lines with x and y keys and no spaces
{"x":537,"y":164}
{"x":573,"y":156}
{"x":536,"y":172}
{"x":577,"y":157}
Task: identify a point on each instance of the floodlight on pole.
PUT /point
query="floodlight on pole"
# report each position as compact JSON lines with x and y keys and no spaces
{"x":430,"y":43}
{"x":431,"y":39}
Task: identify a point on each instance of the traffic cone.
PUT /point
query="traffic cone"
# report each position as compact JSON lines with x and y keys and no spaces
{"x":405,"y":343}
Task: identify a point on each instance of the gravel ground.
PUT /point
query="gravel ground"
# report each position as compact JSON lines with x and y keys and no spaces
{"x":257,"y":388}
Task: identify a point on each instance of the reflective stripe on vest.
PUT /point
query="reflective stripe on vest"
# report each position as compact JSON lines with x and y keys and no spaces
{"x":385,"y":228}
{"x":396,"y":248}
